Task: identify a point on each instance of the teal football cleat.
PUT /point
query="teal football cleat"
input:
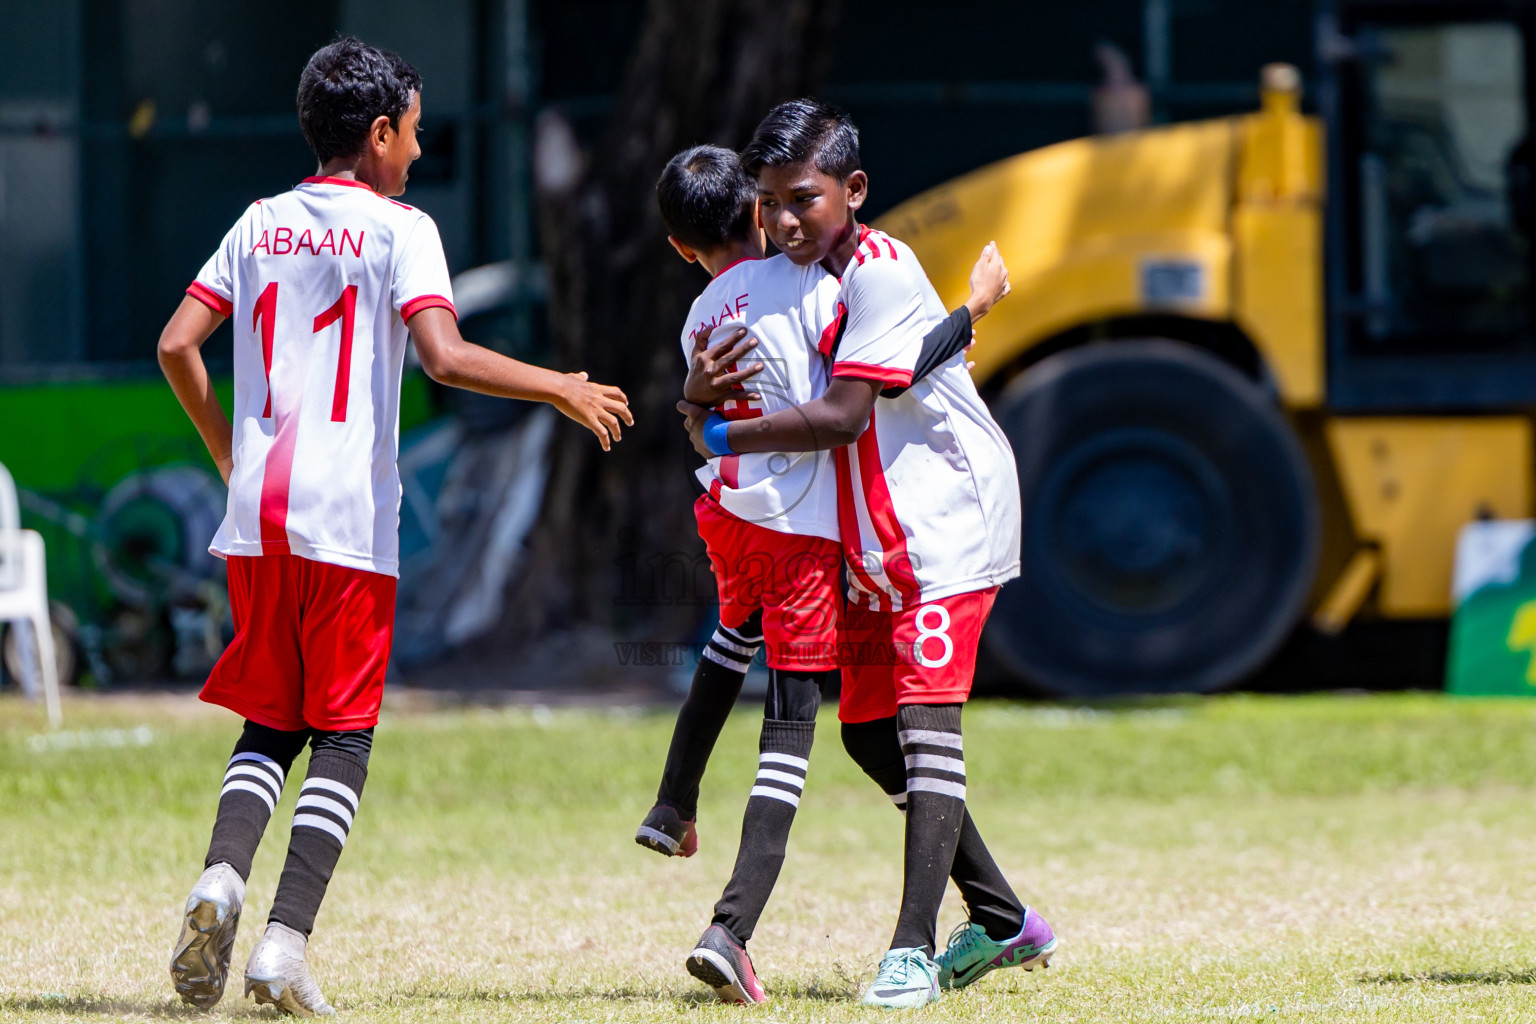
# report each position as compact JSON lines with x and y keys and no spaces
{"x":971,"y":953}
{"x":907,"y":979}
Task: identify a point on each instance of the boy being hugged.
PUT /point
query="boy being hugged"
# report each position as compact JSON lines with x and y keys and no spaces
{"x":768,"y":521}
{"x":325,"y":284}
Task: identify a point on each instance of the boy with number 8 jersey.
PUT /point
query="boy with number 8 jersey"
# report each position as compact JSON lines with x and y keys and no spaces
{"x":769,"y":523}
{"x":929,"y":516}
{"x":325,"y":284}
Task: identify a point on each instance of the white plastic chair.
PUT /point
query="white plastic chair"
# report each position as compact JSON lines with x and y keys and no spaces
{"x":24,"y":599}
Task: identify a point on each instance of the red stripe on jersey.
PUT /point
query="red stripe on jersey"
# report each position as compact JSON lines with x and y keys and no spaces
{"x":422,"y":302}
{"x":872,"y":371}
{"x":859,"y":252}
{"x":848,"y":522}
{"x":730,"y":471}
{"x":318,"y":179}
{"x":714,"y":489}
{"x":276,"y":476}
{"x":874,"y":248}
{"x":882,"y":515}
{"x":889,"y":246}
{"x":210,"y":298}
{"x":834,"y":331}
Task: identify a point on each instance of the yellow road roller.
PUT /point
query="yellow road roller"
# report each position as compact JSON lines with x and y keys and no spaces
{"x":1261,"y":368}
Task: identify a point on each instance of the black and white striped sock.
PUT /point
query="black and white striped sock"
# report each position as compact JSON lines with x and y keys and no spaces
{"x":935,"y":761}
{"x":713,"y":692}
{"x":255,"y":773}
{"x":322,"y":820}
{"x":253,"y":783}
{"x":989,"y":900}
{"x":781,"y":776}
{"x":785,"y":749}
{"x":735,"y":647}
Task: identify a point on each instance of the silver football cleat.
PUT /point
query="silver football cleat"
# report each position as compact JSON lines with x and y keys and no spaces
{"x":200,"y":959}
{"x":277,"y":974}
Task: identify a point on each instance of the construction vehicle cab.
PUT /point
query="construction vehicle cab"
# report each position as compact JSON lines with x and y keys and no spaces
{"x":1429,"y":227}
{"x":1261,"y":367}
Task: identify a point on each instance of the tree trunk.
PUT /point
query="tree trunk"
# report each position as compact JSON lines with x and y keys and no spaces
{"x":616,"y":545}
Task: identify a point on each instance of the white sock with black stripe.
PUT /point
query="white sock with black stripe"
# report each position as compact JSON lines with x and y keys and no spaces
{"x":935,"y":763}
{"x":322,"y":820}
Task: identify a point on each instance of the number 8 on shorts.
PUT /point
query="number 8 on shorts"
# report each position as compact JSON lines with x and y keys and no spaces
{"x":927,"y":631}
{"x":924,"y":654}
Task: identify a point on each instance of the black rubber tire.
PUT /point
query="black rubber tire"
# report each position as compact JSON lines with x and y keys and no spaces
{"x":66,"y":646}
{"x":1170,"y":526}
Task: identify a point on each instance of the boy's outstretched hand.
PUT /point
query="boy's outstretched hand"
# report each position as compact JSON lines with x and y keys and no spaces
{"x":989,"y":282}
{"x":448,"y":359}
{"x":711,"y":377}
{"x":598,"y":407}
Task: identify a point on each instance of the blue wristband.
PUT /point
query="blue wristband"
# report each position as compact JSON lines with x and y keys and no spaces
{"x":715,"y":437}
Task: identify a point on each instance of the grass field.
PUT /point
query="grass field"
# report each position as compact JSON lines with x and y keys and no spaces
{"x":1240,"y":859}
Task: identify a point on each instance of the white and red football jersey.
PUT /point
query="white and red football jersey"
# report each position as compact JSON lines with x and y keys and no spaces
{"x":928,"y":496}
{"x":319,"y":283}
{"x":788,"y":309}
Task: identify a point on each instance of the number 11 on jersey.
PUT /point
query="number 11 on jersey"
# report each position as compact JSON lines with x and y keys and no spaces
{"x":264,"y":316}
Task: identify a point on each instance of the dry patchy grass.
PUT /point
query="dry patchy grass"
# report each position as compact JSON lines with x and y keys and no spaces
{"x":1242,"y":859}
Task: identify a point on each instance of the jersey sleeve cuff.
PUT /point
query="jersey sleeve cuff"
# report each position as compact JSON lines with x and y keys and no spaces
{"x":422,"y":302}
{"x":210,"y":298}
{"x":871,"y":371}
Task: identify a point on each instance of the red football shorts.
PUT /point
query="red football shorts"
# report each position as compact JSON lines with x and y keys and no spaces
{"x":795,"y":580}
{"x":311,"y":643}
{"x":922,"y":655}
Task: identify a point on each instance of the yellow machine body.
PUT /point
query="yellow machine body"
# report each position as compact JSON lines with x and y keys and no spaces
{"x":1239,"y":201}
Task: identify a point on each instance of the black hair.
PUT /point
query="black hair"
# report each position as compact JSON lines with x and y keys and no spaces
{"x":706,"y":198}
{"x":344,"y":88}
{"x":802,"y":130}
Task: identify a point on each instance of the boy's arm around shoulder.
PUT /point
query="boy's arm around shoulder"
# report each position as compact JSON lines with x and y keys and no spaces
{"x":448,"y":359}
{"x":181,"y":359}
{"x":835,"y":419}
{"x":989,"y":285}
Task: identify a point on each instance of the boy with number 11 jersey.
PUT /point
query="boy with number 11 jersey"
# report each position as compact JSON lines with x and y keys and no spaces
{"x":321,"y":282}
{"x":325,"y":284}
